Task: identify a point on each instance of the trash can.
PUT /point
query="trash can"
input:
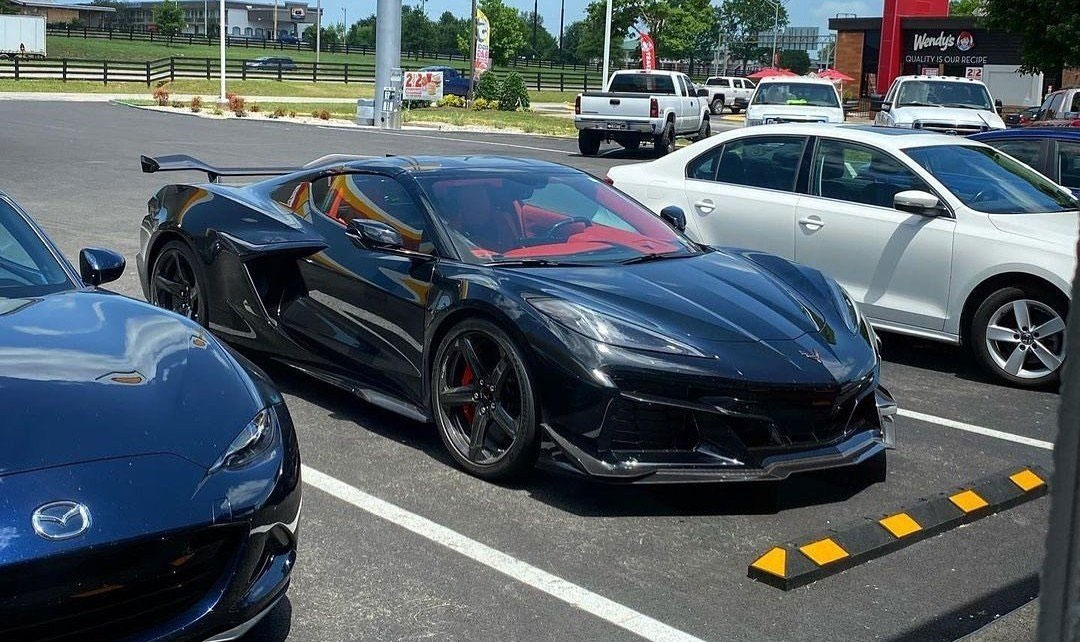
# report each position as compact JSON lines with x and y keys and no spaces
{"x":365,"y":111}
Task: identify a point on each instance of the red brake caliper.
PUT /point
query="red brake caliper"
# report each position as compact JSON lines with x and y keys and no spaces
{"x":469,"y":410}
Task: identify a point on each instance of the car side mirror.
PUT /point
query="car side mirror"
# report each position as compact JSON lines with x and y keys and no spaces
{"x":919,"y":202}
{"x":674,"y":217}
{"x":998,"y":104}
{"x":98,"y":265}
{"x":702,"y":93}
{"x":886,"y":106}
{"x":378,"y":236}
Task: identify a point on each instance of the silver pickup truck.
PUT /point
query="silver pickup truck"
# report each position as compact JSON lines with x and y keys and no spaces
{"x":642,"y":106}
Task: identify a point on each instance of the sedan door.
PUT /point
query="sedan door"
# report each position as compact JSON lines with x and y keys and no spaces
{"x":364,"y":309}
{"x":742,"y":193}
{"x":895,"y":264}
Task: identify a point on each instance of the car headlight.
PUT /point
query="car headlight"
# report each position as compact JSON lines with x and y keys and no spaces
{"x":605,"y":329}
{"x":253,"y":442}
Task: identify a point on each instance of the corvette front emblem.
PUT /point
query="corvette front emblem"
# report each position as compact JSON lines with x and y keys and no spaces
{"x":812,"y":355}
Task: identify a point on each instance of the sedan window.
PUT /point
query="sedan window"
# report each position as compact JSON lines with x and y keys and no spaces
{"x":859,"y":174}
{"x":770,"y":162}
{"x":1068,"y":161}
{"x":27,"y":267}
{"x":988,"y":181}
{"x":1025,"y":150}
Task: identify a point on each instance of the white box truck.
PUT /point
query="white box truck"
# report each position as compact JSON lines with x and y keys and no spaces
{"x":22,"y":36}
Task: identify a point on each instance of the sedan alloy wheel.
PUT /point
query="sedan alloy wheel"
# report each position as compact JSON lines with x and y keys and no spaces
{"x":1026,"y":338}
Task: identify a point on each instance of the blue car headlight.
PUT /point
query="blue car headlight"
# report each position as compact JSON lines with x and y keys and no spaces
{"x":252,"y":444}
{"x":853,"y":316}
{"x":606,"y":329}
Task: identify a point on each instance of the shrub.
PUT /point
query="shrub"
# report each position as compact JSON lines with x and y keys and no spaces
{"x":236,"y":104}
{"x":513,"y":93}
{"x":218,"y":111}
{"x":280,"y":113}
{"x":255,"y":108}
{"x":177,"y":104}
{"x":292,"y":114}
{"x":450,"y":100}
{"x":480,"y":104}
{"x":196,"y":104}
{"x":487,"y":87}
{"x":161,"y":95}
{"x":323,"y":114}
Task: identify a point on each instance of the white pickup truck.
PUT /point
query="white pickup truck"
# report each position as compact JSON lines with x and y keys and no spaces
{"x":946,"y":104}
{"x":729,"y":91}
{"x":642,"y":106}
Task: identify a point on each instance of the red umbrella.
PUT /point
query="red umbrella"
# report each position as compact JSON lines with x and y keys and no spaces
{"x":833,"y":74}
{"x":772,"y":71}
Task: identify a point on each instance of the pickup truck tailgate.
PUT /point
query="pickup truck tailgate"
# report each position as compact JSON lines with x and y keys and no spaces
{"x":615,"y":105}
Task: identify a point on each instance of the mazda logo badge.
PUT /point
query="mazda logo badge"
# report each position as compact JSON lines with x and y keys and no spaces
{"x":61,"y":520}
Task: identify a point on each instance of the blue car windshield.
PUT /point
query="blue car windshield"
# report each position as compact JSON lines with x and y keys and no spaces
{"x":27,"y":267}
{"x":989,"y":181}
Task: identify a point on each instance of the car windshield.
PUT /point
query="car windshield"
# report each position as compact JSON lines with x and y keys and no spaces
{"x":795,"y":93}
{"x":942,"y":93}
{"x":27,"y":267}
{"x":990,"y":181}
{"x":642,"y":83}
{"x":543,"y":218}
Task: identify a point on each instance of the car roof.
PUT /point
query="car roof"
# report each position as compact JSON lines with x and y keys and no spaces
{"x":1059,"y":133}
{"x":895,"y":138}
{"x":425,"y":164}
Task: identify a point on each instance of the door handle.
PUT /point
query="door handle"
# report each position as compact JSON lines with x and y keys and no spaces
{"x":812,"y":223}
{"x":705,"y":206}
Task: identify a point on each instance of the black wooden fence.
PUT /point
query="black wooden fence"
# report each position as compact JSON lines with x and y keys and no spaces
{"x":169,"y":69}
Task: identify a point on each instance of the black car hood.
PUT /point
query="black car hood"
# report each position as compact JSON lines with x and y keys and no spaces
{"x":710,"y":297}
{"x":87,"y":375}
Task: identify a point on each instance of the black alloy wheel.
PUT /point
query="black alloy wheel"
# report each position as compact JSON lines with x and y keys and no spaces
{"x":665,"y":140}
{"x":175,"y":283}
{"x":482,"y":399}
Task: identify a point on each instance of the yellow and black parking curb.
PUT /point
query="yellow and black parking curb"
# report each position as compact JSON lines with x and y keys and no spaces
{"x":806,"y":560}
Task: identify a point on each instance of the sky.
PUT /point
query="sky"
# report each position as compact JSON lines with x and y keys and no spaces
{"x":801,"y":13}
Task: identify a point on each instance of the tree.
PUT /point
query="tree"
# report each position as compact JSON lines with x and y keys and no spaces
{"x":623,"y":16}
{"x":546,"y":45}
{"x":6,"y":7}
{"x":965,"y":7}
{"x":1047,"y":30}
{"x":676,"y":26}
{"x":417,"y":31}
{"x":572,"y":37}
{"x":796,"y":60}
{"x":169,"y":18}
{"x":361,"y":33}
{"x":507,"y":37}
{"x":447,"y":31}
{"x":743,"y":20}
{"x":328,"y":39}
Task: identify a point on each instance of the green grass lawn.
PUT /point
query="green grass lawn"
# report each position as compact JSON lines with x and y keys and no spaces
{"x":525,"y":121}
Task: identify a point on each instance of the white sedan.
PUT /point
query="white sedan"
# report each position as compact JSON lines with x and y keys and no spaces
{"x":935,"y":236}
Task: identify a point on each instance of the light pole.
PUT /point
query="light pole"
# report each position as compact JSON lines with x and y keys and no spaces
{"x":275,"y":21}
{"x":221,"y":36}
{"x":205,"y":20}
{"x":607,"y":43}
{"x":318,"y":31}
{"x":776,"y":31}
{"x":472,"y":56}
{"x":562,"y":16}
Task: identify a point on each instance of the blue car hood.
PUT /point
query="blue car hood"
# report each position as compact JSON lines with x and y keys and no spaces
{"x":711,"y":297}
{"x":88,"y":375}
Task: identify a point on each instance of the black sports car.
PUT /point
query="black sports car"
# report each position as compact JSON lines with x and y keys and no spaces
{"x":528,"y":309}
{"x":149,"y":479}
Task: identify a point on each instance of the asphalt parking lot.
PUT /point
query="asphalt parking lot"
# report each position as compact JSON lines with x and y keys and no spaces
{"x":556,"y":558}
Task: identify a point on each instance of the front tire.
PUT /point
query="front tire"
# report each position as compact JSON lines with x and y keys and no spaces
{"x":483,"y":401}
{"x":177,"y":282}
{"x":1018,"y":335}
{"x":705,"y":130}
{"x":588,"y":142}
{"x":717,"y":106}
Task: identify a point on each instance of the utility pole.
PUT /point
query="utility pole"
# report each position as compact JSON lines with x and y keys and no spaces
{"x":607,"y":43}
{"x":344,"y":23}
{"x":562,"y":16}
{"x":472,"y":55}
{"x":776,"y":31}
{"x":221,"y":34}
{"x":536,"y":23}
{"x":275,"y":20}
{"x":205,"y":19}
{"x":318,"y":31}
{"x":387,"y":61}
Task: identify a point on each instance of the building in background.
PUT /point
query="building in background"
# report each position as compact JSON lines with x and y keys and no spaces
{"x":246,"y":19}
{"x":60,"y":12}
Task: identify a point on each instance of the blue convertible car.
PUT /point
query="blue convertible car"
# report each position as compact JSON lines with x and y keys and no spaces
{"x":149,"y":476}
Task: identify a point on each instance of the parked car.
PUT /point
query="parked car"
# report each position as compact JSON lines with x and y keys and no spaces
{"x":454,"y":82}
{"x":529,"y":310}
{"x":1021,"y":118}
{"x":1052,"y":151}
{"x":934,"y":236}
{"x":272,"y":63}
{"x":151,"y":477}
{"x":288,"y":39}
{"x":794,"y":99}
{"x":729,"y":91}
{"x":642,"y":106}
{"x":945,"y":104}
{"x":1060,"y":109}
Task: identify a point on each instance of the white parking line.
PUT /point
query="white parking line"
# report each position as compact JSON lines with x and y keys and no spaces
{"x":572,"y":594}
{"x":989,"y":432}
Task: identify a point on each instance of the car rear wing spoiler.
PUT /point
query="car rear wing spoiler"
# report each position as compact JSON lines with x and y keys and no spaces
{"x":183,"y":162}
